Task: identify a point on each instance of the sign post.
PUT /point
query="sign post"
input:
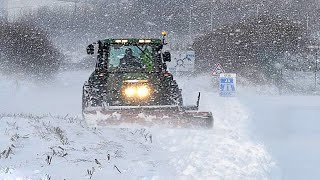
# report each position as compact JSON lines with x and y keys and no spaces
{"x":227,"y":84}
{"x":316,"y":63}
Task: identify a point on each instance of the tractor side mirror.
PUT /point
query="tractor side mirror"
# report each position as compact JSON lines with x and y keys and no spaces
{"x":90,"y":49}
{"x":159,"y":47}
{"x":166,"y":56}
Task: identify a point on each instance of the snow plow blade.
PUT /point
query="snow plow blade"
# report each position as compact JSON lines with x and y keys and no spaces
{"x":163,"y":116}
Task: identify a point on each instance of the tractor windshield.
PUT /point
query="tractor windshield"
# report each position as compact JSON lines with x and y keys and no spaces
{"x":130,"y":57}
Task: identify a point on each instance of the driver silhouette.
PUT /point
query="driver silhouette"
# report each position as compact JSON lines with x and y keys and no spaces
{"x":129,"y":60}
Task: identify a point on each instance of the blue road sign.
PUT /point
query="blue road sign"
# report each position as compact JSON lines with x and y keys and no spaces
{"x":227,"y":85}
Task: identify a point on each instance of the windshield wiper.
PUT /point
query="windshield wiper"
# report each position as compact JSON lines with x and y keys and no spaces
{"x":142,"y":51}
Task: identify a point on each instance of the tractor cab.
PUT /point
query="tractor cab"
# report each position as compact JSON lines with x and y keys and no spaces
{"x":130,"y":55}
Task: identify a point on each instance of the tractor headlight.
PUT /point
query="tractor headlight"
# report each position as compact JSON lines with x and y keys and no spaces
{"x":130,"y":92}
{"x":141,"y":91}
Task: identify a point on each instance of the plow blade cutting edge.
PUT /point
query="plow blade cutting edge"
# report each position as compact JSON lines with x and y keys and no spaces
{"x":164,"y":116}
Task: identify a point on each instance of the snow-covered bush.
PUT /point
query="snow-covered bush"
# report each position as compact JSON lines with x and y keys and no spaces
{"x":27,"y":50}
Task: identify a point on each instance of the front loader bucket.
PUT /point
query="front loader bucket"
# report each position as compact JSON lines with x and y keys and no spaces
{"x":164,"y":116}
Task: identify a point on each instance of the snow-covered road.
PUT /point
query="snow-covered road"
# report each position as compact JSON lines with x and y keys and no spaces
{"x":289,"y":126}
{"x":254,"y":137}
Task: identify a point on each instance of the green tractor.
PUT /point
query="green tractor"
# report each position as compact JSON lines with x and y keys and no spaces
{"x":131,"y":84}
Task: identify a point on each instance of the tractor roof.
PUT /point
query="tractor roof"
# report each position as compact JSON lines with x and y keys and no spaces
{"x":132,"y":41}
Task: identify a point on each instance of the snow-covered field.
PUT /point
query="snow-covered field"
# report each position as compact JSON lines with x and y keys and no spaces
{"x":254,"y":136}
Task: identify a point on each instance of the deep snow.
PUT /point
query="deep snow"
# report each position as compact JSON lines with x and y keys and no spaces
{"x":254,"y":137}
{"x":289,"y":128}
